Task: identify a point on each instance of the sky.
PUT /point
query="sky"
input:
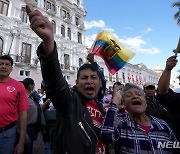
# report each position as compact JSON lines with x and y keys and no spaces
{"x":146,"y":27}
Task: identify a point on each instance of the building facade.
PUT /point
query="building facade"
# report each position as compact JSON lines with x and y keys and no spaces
{"x":67,"y":16}
{"x":18,"y":40}
{"x":138,"y":74}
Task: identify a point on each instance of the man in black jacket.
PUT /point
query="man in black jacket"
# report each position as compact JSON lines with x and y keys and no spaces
{"x":169,"y":98}
{"x":79,"y":114}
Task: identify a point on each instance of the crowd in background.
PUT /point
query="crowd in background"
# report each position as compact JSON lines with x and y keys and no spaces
{"x":86,"y":118}
{"x":158,"y":108}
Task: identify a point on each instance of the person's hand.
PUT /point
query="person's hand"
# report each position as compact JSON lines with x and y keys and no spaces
{"x":90,"y":57}
{"x":47,"y":102}
{"x":42,"y":27}
{"x":116,"y":97}
{"x":171,"y":63}
{"x":45,"y":105}
{"x":19,"y":148}
{"x":27,"y":140}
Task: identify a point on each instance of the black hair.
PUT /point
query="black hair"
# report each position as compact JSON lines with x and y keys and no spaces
{"x":27,"y":82}
{"x":7,"y":57}
{"x":117,"y":83}
{"x":87,"y":66}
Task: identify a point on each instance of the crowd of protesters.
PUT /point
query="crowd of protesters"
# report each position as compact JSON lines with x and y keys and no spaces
{"x":87,"y":118}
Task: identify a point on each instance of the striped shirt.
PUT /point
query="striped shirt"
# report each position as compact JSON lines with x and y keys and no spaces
{"x":132,"y":138}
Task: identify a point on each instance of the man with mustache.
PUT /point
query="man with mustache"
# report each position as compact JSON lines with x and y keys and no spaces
{"x":79,"y":113}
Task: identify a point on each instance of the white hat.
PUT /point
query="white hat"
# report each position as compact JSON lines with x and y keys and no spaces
{"x":147,"y":84}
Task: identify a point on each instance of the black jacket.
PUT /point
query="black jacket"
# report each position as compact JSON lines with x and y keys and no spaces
{"x":75,"y":129}
{"x":171,"y":101}
{"x":155,"y":109}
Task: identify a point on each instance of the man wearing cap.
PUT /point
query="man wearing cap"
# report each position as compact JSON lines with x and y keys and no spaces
{"x":153,"y":106}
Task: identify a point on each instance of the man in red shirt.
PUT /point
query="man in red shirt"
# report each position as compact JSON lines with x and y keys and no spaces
{"x":13,"y":106}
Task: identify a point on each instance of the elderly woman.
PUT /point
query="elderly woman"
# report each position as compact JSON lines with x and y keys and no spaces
{"x":134,"y":131}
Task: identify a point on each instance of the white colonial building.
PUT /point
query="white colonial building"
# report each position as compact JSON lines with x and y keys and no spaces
{"x":18,"y":40}
{"x":67,"y":17}
{"x":138,"y":74}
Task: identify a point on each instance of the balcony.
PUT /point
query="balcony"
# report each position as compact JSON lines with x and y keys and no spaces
{"x":51,"y":12}
{"x":81,"y":26}
{"x":68,"y":69}
{"x":67,"y":20}
{"x":26,"y":61}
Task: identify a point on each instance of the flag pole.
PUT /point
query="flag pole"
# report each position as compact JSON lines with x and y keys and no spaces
{"x":177,"y":50}
{"x":29,"y":4}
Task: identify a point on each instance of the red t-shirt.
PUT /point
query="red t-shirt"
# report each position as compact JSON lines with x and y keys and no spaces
{"x":97,"y":121}
{"x":12,"y":100}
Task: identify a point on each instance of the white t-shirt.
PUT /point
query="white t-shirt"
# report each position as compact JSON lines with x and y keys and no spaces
{"x":51,"y":106}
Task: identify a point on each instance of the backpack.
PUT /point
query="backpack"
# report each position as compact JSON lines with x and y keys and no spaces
{"x":40,"y":119}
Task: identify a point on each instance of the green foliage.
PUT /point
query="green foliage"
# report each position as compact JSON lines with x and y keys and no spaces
{"x":177,"y":14}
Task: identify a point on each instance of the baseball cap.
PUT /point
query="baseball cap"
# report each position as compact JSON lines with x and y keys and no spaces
{"x":147,"y":84}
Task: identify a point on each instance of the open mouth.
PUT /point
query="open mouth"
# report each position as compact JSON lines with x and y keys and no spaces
{"x":136,"y":103}
{"x":89,"y":90}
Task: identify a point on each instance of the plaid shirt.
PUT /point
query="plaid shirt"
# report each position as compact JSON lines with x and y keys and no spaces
{"x":131,"y":137}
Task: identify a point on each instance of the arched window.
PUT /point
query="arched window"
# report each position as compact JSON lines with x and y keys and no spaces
{"x":23,"y":15}
{"x":69,"y":33}
{"x":54,"y":26}
{"x":1,"y":46}
{"x":80,"y":62}
{"x":63,"y":30}
{"x":4,"y":5}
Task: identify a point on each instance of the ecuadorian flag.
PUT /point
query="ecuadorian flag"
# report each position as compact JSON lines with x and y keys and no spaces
{"x":114,"y":54}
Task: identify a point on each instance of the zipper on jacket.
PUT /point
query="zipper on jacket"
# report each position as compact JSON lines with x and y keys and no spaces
{"x":91,"y":130}
{"x":80,"y":124}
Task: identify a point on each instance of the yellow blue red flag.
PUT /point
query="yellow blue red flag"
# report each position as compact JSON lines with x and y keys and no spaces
{"x":114,"y":54}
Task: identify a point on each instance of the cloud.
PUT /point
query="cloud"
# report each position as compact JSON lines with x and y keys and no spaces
{"x":128,"y":28}
{"x":90,"y":40}
{"x":109,"y":29}
{"x":148,"y":30}
{"x":92,"y":24}
{"x":137,"y":44}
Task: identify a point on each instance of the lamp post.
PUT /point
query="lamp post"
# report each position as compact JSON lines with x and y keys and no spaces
{"x":177,"y":17}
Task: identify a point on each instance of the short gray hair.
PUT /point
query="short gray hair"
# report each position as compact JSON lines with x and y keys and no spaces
{"x":130,"y":86}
